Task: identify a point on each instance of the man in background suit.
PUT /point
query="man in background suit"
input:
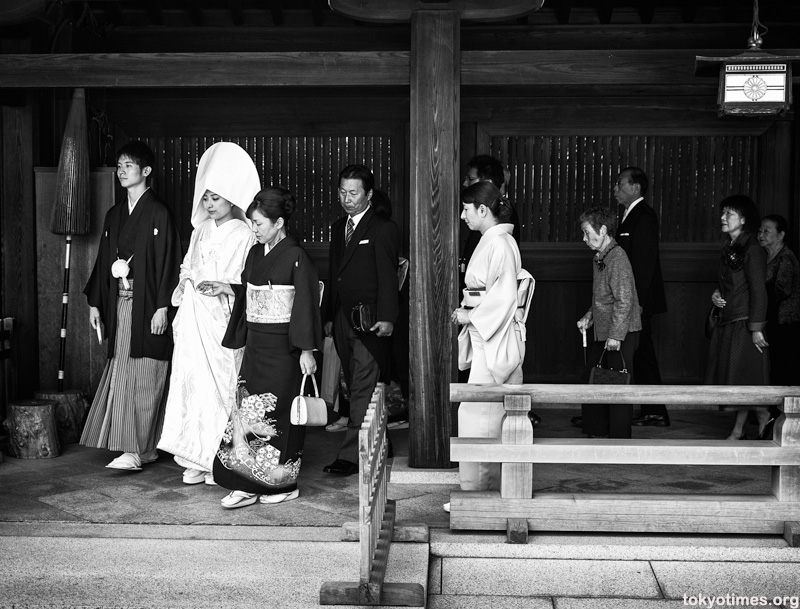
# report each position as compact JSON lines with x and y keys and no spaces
{"x":638,"y":235}
{"x":364,"y":252}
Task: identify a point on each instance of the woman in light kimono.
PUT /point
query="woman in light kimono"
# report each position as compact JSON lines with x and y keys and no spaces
{"x":493,"y":313}
{"x":203,"y":382}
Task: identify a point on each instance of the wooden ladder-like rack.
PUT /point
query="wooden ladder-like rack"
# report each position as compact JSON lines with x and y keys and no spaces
{"x":376,"y":523}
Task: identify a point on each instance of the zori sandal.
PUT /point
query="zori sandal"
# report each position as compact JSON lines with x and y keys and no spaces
{"x":237,"y":499}
{"x":279,"y":497}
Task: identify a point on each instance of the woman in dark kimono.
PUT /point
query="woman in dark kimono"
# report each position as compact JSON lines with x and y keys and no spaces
{"x":129,"y":293}
{"x":276,"y":318}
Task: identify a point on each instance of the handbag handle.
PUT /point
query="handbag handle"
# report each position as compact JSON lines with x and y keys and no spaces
{"x":303,"y":384}
{"x":602,"y":355}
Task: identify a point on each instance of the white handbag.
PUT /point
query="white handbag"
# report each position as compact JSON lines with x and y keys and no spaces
{"x":309,"y":410}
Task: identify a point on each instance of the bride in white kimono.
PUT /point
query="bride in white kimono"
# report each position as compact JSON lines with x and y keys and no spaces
{"x":493,"y":311}
{"x":202,"y":387}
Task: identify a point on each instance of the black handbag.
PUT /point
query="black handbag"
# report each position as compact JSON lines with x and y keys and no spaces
{"x":712,"y":319}
{"x":609,"y":376}
{"x":363,"y":317}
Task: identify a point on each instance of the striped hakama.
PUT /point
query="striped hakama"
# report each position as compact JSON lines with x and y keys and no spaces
{"x":125,"y":411}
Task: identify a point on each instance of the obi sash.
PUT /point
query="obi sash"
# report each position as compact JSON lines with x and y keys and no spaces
{"x":269,"y":304}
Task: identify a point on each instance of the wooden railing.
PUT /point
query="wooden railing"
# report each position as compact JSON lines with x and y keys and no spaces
{"x":516,"y":509}
{"x":376,"y":523}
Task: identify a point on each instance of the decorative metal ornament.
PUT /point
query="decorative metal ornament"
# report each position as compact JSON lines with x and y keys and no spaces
{"x":754,"y":83}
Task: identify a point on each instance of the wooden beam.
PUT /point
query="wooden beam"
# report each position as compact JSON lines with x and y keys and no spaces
{"x":154,"y":12}
{"x":399,"y":11}
{"x":276,"y":10}
{"x":684,"y":513}
{"x":195,"y":14}
{"x":639,"y":452}
{"x":563,"y":10}
{"x":235,"y":9}
{"x":732,"y":395}
{"x":435,"y":104}
{"x":204,"y":70}
{"x":370,"y":68}
{"x":318,"y":11}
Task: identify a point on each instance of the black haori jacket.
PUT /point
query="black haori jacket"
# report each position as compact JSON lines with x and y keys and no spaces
{"x":155,"y":274}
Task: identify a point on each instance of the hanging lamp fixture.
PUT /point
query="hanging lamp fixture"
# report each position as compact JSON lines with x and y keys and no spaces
{"x":754,"y":83}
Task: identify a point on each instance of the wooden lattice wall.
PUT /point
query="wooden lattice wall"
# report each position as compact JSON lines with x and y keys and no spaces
{"x":555,"y":178}
{"x":306,"y":165}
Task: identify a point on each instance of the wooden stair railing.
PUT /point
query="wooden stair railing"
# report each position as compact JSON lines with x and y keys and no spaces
{"x":376,"y":524}
{"x":516,"y":509}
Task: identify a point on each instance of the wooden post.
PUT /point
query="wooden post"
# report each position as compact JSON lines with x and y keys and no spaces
{"x":434,"y":170}
{"x":71,"y":411}
{"x":32,"y":427}
{"x":517,"y":478}
{"x":18,"y":226}
{"x":786,"y":478}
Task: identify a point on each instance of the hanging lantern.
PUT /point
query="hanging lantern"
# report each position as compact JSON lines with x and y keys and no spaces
{"x":754,"y":83}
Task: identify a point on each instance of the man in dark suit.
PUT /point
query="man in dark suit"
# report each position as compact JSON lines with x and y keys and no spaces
{"x":364,"y":252}
{"x":638,"y":235}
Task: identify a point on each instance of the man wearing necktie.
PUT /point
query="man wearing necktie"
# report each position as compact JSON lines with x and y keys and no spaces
{"x":364,"y":251}
{"x":638,"y":235}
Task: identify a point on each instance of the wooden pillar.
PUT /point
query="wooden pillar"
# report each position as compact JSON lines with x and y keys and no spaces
{"x":18,"y":232}
{"x":434,"y":190}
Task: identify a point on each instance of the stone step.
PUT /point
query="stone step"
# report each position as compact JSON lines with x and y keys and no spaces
{"x":470,"y":570}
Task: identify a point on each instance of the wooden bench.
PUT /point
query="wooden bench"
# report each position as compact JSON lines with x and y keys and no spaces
{"x":376,"y":523}
{"x":517,"y":510}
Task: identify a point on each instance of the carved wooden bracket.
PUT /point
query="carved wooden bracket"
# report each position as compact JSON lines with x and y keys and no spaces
{"x":399,"y":11}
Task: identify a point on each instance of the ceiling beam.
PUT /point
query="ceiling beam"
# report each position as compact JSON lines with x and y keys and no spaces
{"x":195,"y":14}
{"x":154,"y":12}
{"x":204,"y":69}
{"x":655,"y":67}
{"x":235,"y":9}
{"x":318,"y":11}
{"x":276,"y":10}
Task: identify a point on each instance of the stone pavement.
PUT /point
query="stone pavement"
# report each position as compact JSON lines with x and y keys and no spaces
{"x":75,"y":534}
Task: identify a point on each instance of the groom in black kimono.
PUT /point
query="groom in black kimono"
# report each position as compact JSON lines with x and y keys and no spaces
{"x":364,"y":252}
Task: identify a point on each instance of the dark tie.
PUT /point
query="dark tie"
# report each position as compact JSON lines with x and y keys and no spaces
{"x":348,"y":233}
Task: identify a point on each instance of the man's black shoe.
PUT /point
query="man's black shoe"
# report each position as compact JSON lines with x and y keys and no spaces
{"x":340,"y":466}
{"x":577,"y":421}
{"x":656,"y":420}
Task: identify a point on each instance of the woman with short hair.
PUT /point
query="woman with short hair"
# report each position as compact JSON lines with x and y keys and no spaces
{"x":738,"y":354}
{"x":615,"y":315}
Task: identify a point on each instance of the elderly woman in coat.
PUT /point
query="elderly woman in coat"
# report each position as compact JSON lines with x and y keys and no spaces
{"x":615,"y":315}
